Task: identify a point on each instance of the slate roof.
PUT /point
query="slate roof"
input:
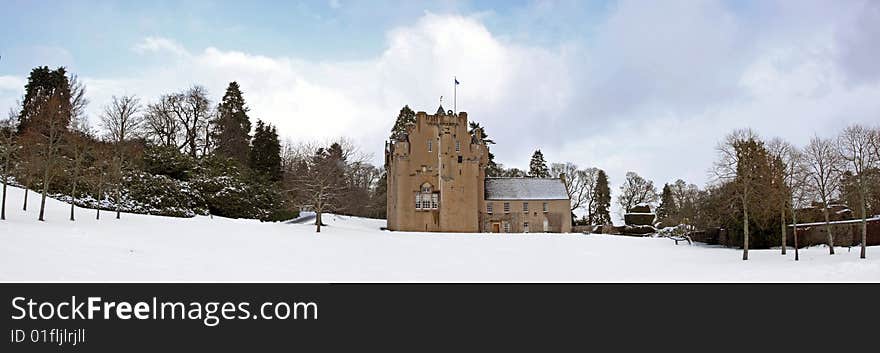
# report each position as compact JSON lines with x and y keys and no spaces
{"x":525,"y":189}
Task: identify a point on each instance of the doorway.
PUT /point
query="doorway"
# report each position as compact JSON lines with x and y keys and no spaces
{"x":496,"y":227}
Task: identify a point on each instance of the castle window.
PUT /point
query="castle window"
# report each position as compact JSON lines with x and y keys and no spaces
{"x":430,"y":145}
{"x":545,"y":207}
{"x":507,"y":227}
{"x":525,"y":207}
{"x":426,"y":198}
{"x":507,"y":207}
{"x":457,"y":146}
{"x":489,"y":207}
{"x":525,"y":227}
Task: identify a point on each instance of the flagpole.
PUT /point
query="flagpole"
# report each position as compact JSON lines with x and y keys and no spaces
{"x":454,"y":95}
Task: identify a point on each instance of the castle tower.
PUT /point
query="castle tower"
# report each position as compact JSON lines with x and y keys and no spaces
{"x":436,"y":175}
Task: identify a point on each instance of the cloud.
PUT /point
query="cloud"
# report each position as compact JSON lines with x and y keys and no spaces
{"x":359,"y":99}
{"x":159,"y":45}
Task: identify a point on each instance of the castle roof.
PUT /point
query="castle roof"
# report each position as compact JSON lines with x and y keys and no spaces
{"x":525,"y":189}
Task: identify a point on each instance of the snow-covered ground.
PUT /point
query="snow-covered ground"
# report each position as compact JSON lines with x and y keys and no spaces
{"x":151,"y":248}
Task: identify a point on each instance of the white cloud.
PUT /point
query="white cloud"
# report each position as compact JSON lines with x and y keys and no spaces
{"x":360,"y":99}
{"x":158,"y":45}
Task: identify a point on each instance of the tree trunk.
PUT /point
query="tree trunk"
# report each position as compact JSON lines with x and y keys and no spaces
{"x":828,"y":229}
{"x":794,"y":231}
{"x":26,"y":189}
{"x":318,"y":221}
{"x":72,"y":197}
{"x":782,"y":227}
{"x":3,"y":206}
{"x":864,"y":223}
{"x":43,"y":204}
{"x":745,"y":229}
{"x":45,"y":191}
{"x":100,"y":194}
{"x":118,"y":197}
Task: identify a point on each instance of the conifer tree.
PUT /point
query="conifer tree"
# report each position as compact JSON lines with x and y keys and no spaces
{"x":266,"y":152}
{"x":492,"y":168}
{"x":406,"y":117}
{"x":667,"y":212}
{"x":538,"y":166}
{"x":232,"y":127}
{"x":602,"y":212}
{"x":42,"y":83}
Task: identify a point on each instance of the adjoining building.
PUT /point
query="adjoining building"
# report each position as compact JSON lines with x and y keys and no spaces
{"x":437,"y":182}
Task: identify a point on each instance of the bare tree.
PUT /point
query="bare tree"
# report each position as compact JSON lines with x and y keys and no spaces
{"x":855,"y":144}
{"x":160,"y":121}
{"x":122,"y":122}
{"x":79,"y":149}
{"x":51,"y":114}
{"x":181,"y":120}
{"x":686,"y":197}
{"x":824,"y":164}
{"x":99,"y":171}
{"x":194,"y":118}
{"x":780,"y":154}
{"x":319,"y":181}
{"x":579,"y":184}
{"x":738,"y":157}
{"x":8,"y":149}
{"x":797,"y":180}
{"x":78,"y":103}
{"x":636,"y":190}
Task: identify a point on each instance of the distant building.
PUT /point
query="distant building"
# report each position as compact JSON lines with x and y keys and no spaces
{"x":437,"y":183}
{"x":845,"y":232}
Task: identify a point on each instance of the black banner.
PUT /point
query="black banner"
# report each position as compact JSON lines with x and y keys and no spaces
{"x":44,"y":317}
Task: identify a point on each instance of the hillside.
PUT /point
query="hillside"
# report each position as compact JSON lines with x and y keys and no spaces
{"x":154,"y":248}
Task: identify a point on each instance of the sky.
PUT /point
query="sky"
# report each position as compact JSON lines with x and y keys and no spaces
{"x":643,"y":86}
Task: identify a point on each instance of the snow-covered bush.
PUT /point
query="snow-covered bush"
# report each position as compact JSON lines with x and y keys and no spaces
{"x":168,"y":161}
{"x":230,"y":192}
{"x":160,"y":195}
{"x":679,"y":230}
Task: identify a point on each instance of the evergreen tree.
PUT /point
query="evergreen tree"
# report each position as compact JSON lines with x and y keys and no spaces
{"x":266,"y":152}
{"x":232,"y":127}
{"x":538,"y":166}
{"x":406,"y":117}
{"x":492,"y":168}
{"x":667,"y":212}
{"x":43,"y":83}
{"x":602,"y":212}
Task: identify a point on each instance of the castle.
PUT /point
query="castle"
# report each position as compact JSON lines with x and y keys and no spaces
{"x":437,"y":182}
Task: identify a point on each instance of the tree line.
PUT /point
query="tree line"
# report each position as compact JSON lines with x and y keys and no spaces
{"x":179,"y":155}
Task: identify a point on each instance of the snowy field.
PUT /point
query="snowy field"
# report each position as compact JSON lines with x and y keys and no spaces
{"x":152,"y":248}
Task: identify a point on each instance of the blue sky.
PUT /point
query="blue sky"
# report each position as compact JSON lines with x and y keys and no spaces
{"x":623,"y":85}
{"x":82,"y":34}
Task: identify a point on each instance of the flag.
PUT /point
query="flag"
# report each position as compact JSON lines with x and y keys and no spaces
{"x":456,"y":81}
